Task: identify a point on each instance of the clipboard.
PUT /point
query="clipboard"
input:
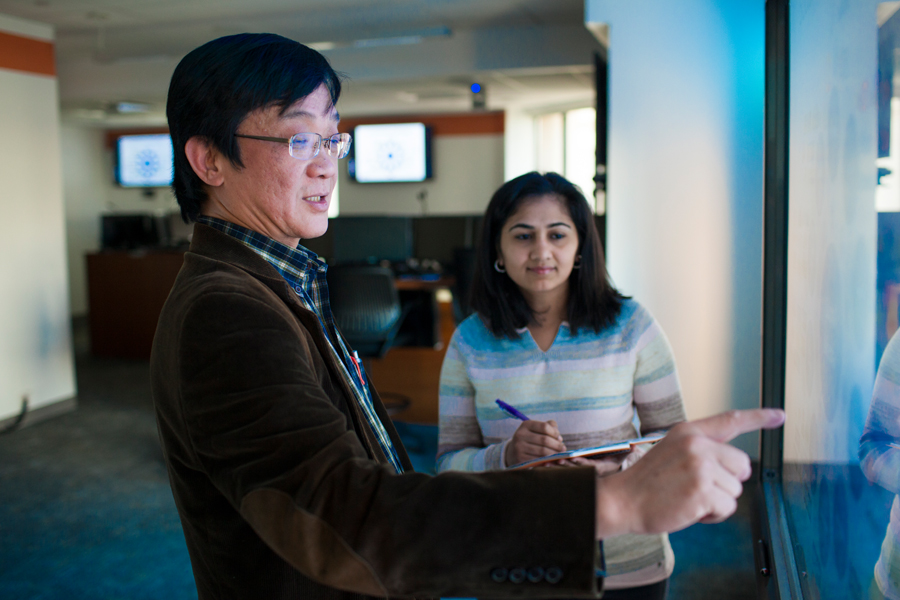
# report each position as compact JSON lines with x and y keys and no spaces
{"x":615,"y":448}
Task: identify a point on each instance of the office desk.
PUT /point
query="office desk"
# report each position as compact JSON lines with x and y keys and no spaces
{"x":420,"y":284}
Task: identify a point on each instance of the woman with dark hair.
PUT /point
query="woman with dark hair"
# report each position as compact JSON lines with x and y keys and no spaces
{"x":552,"y":337}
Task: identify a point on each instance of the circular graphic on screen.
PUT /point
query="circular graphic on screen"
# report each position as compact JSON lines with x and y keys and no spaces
{"x":390,"y":156}
{"x":147,"y":163}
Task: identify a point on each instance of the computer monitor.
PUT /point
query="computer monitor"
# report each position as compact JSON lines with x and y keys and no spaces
{"x":390,"y":153}
{"x":372,"y":239}
{"x":144,"y":160}
{"x":129,"y":232}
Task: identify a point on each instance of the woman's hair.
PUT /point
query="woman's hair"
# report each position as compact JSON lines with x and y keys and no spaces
{"x":593,"y":302}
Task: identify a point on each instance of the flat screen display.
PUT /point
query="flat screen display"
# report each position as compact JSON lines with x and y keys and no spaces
{"x":372,"y":239}
{"x":394,"y":152}
{"x":144,"y":160}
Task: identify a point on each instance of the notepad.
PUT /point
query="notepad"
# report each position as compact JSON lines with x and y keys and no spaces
{"x":615,"y":448}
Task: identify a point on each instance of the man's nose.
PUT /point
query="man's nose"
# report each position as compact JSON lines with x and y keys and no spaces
{"x":322,"y":165}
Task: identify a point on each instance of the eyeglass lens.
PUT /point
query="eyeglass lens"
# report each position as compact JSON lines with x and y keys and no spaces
{"x":306,"y":145}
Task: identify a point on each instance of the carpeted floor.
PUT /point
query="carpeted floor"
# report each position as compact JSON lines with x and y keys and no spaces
{"x":86,"y":511}
{"x":85,"y":506}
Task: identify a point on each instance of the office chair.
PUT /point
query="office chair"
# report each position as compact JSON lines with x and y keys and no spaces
{"x":368,"y":312}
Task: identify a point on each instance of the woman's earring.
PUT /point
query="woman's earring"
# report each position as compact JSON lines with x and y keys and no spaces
{"x":498,"y":267}
{"x":577,"y":264}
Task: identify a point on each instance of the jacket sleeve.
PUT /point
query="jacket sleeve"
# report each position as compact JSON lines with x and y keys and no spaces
{"x":272,"y":441}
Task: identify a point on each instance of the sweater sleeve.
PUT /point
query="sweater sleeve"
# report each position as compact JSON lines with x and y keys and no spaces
{"x":461,"y":445}
{"x":657,"y":393}
{"x":879,"y":456}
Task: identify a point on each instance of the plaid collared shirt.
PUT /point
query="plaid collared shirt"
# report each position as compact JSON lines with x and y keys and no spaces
{"x":305,"y":273}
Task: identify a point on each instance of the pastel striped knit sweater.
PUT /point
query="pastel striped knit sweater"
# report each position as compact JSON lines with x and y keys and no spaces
{"x":593,"y":385}
{"x":880,"y":460}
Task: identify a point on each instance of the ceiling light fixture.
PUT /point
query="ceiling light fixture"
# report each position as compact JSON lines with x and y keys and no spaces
{"x":404,"y":38}
{"x":132,"y":107}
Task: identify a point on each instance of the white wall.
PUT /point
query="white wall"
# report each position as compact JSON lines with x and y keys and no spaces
{"x":518,"y":144}
{"x":90,"y":192}
{"x":832,"y":237}
{"x":684,"y":203}
{"x":81,"y":172}
{"x":35,"y":334}
{"x":467,"y":171}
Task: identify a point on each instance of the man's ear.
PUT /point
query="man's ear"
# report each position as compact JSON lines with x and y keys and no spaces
{"x":206,"y":160}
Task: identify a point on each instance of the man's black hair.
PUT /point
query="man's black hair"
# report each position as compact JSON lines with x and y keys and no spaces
{"x":218,"y":84}
{"x":593,"y":302}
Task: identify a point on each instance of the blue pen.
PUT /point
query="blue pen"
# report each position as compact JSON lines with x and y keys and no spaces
{"x":510,"y":410}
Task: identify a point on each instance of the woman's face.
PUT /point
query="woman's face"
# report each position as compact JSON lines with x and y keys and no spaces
{"x":537,"y":248}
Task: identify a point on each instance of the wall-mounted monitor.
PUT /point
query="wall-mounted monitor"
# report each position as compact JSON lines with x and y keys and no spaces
{"x":372,"y":239}
{"x":144,"y":160}
{"x":390,"y":153}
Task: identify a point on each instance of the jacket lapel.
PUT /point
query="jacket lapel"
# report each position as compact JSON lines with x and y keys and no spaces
{"x":220,"y":246}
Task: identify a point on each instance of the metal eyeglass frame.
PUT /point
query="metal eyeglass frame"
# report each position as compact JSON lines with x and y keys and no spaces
{"x":342,"y":140}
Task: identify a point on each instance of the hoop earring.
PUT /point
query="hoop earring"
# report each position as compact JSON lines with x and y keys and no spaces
{"x":577,"y":264}
{"x":498,"y":267}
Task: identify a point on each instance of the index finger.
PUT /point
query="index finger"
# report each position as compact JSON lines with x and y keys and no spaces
{"x":547,"y":428}
{"x":726,"y":426}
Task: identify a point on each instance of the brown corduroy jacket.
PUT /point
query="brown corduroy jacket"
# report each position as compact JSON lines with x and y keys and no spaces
{"x":284,"y":493}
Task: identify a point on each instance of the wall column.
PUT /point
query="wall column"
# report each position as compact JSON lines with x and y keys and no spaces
{"x":685,"y":175}
{"x":36,"y":358}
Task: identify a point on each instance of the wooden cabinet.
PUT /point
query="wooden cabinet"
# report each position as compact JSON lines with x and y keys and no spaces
{"x":126,"y":293}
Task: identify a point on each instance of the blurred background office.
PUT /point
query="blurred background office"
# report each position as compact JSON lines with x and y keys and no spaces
{"x":656,"y":109}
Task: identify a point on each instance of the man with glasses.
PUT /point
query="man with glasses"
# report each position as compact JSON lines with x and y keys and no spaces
{"x":288,"y":476}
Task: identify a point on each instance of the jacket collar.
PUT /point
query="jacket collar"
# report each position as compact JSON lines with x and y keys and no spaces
{"x":216,"y":245}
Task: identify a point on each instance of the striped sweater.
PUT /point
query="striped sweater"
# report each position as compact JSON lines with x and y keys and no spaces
{"x":599,"y":388}
{"x":880,"y":460}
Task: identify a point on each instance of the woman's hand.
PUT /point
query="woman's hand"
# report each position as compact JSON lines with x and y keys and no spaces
{"x":603,"y":466}
{"x":534,"y":439}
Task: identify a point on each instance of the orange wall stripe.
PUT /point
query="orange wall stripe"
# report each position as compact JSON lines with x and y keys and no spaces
{"x":113,"y":134}
{"x":26,"y":54}
{"x":486,"y":123}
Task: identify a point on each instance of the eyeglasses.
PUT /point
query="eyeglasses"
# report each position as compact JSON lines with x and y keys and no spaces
{"x":305,"y":146}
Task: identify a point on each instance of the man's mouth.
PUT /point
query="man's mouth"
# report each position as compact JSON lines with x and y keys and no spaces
{"x":315,"y":198}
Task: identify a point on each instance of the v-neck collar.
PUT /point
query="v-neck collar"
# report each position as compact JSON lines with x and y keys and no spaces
{"x":524,"y":330}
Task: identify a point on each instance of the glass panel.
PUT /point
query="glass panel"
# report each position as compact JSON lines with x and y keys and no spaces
{"x":838,"y":519}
